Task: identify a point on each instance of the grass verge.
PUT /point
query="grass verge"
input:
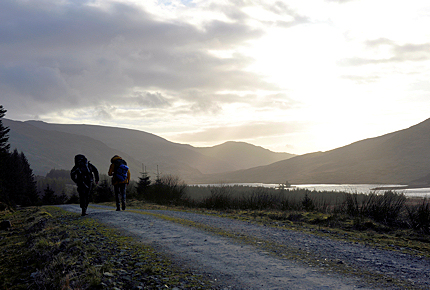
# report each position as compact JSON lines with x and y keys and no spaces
{"x":48,"y":248}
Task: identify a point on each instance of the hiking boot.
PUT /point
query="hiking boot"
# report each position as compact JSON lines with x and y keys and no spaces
{"x":84,"y":212}
{"x":123,"y":206}
{"x":118,"y":209}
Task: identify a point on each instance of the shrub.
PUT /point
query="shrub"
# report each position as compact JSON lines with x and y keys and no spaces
{"x":384,"y":208}
{"x":419,"y":216}
{"x":167,"y":189}
{"x":260,"y":198}
{"x":74,"y":198}
{"x":103,"y":192}
{"x":131,"y":190}
{"x":220,"y":198}
{"x":352,"y":207}
{"x":307,"y":203}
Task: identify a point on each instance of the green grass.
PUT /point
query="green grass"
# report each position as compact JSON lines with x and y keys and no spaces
{"x":53,"y":249}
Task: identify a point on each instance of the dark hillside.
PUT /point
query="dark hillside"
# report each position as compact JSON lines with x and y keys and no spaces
{"x":243,"y":155}
{"x":52,"y":146}
{"x":152,"y":149}
{"x":149,"y":149}
{"x":398,"y":157}
{"x":46,"y":150}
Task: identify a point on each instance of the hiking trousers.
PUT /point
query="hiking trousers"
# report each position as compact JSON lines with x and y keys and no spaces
{"x":119,"y":190}
{"x":84,"y":195}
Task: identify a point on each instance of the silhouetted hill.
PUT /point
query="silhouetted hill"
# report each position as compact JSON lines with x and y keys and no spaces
{"x":47,"y":150}
{"x":243,"y":155}
{"x":49,"y":146}
{"x":394,"y":158}
{"x":421,"y":182}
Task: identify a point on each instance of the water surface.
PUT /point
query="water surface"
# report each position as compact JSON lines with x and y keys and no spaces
{"x":350,"y":188}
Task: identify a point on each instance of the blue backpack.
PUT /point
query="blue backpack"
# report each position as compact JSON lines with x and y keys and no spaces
{"x":121,"y":170}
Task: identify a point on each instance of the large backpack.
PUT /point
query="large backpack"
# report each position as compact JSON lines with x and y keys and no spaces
{"x":120,"y":170}
{"x":83,"y":169}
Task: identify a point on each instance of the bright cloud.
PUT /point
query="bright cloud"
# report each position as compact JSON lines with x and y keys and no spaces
{"x":295,"y":76}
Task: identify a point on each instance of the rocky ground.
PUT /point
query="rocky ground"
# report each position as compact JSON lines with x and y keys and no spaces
{"x":244,"y":255}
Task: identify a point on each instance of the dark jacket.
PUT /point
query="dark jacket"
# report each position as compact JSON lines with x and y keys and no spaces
{"x":82,"y":181}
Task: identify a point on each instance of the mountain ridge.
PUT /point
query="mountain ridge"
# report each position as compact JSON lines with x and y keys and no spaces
{"x":394,"y":158}
{"x":139,"y":148}
{"x":400,"y":157}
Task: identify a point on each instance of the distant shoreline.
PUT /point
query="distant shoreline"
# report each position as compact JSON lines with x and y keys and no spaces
{"x":400,"y":187}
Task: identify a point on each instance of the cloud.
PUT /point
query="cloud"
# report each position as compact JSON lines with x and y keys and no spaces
{"x":340,"y":1}
{"x":412,"y":52}
{"x":398,"y":53}
{"x":283,"y":9}
{"x":378,"y":42}
{"x":103,"y":114}
{"x":242,"y":132}
{"x":73,"y":53}
{"x":152,"y":100}
{"x":361,"y":79}
{"x":37,"y":82}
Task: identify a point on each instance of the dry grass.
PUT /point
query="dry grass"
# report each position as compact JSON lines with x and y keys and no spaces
{"x":48,"y":248}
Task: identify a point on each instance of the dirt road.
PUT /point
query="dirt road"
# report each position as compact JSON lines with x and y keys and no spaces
{"x":192,"y":240}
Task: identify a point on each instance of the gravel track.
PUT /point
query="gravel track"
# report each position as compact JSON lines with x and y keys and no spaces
{"x":238,"y":265}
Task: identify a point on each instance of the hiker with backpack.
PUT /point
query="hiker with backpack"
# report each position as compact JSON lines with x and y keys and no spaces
{"x":120,"y":178}
{"x":83,"y":174}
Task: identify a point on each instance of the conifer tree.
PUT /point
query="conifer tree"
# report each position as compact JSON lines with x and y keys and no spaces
{"x":31,"y":196}
{"x":4,"y":133}
{"x":143,"y":184}
{"x":62,"y":198}
{"x":74,"y":198}
{"x":17,"y":184}
{"x":48,"y":196}
{"x":20,"y":180}
{"x":103,"y":192}
{"x":4,"y":154}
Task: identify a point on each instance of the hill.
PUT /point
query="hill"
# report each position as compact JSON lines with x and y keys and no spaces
{"x":49,"y":146}
{"x":396,"y":158}
{"x":243,"y":154}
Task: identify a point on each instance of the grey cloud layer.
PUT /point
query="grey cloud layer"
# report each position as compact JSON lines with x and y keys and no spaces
{"x":71,"y":55}
{"x":400,"y":53}
{"x":241,"y":132}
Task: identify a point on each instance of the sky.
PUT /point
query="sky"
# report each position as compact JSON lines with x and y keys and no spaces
{"x":291,"y":76}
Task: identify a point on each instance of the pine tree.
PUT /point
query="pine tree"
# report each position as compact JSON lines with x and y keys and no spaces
{"x":48,"y":196}
{"x":74,"y":197}
{"x":143,"y":184}
{"x":4,"y":133}
{"x":31,"y":196}
{"x":4,"y":154}
{"x":19,"y":180}
{"x":17,"y":183}
{"x":62,"y":198}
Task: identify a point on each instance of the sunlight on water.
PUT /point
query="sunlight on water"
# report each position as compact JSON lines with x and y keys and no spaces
{"x":350,"y":188}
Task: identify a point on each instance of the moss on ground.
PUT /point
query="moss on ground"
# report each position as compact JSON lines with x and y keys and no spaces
{"x":53,"y":249}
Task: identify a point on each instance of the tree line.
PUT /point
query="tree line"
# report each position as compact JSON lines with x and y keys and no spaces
{"x":19,"y":186}
{"x":17,"y":183}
